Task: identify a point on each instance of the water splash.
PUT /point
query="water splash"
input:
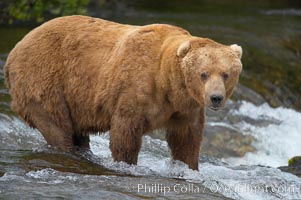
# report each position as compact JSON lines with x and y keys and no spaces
{"x":241,"y":182}
{"x":16,"y":135}
{"x":277,"y":142}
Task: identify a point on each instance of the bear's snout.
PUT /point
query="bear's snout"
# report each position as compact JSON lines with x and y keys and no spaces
{"x":216,"y":100}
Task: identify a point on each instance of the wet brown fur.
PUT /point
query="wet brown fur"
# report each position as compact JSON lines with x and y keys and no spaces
{"x":78,"y":75}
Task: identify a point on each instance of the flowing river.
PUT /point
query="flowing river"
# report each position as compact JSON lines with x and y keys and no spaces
{"x":32,"y":170}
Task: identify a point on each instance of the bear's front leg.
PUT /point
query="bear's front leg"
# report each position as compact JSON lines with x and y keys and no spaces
{"x":125,"y":139}
{"x":184,"y":136}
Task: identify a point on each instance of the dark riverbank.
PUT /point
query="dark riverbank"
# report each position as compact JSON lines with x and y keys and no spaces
{"x":269,"y":32}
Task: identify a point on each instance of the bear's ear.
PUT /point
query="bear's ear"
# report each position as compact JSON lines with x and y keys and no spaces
{"x":183,"y":49}
{"x":237,"y":49}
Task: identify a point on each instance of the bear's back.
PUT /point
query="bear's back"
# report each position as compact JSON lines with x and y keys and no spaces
{"x":87,"y":61}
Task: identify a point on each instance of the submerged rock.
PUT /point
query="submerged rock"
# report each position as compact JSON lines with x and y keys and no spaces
{"x":224,"y":142}
{"x":64,"y":163}
{"x":242,"y":92}
{"x":293,"y":170}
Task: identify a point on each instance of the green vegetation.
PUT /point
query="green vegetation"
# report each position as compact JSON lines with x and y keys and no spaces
{"x":38,"y":11}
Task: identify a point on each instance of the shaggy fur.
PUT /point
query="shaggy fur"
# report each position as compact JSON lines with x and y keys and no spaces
{"x":77,"y":75}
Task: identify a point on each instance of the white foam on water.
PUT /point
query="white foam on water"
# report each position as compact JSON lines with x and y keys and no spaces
{"x":14,"y":134}
{"x":277,"y":142}
{"x":249,"y":182}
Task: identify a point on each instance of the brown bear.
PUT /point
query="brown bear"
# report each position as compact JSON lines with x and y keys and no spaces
{"x":77,"y":75}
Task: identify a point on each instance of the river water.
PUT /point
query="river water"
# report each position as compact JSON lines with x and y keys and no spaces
{"x":28,"y":163}
{"x":29,"y":169}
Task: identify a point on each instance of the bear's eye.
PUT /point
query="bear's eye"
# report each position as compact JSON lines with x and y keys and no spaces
{"x":225,"y":76}
{"x":204,"y":76}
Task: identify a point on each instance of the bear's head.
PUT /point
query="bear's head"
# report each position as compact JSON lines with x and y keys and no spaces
{"x":211,"y":70}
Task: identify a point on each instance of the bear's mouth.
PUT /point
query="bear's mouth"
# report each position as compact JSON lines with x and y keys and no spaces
{"x":214,"y":108}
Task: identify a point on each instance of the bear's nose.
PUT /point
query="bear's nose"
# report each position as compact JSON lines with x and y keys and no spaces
{"x":216,"y":99}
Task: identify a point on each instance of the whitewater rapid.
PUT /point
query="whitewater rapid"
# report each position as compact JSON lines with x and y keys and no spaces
{"x":253,"y":176}
{"x":276,"y":142}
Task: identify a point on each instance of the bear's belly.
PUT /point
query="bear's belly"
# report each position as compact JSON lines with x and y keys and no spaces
{"x":158,"y":118}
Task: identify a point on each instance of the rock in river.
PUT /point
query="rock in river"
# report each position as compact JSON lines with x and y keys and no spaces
{"x":294,"y":166}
